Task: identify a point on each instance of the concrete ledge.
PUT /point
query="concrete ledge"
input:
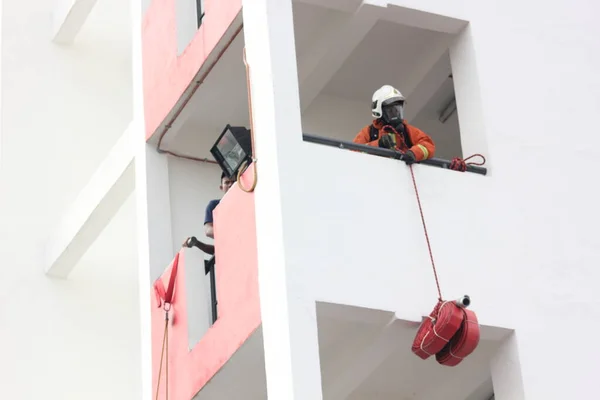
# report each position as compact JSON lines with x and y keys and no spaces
{"x":94,"y":207}
{"x":69,"y":17}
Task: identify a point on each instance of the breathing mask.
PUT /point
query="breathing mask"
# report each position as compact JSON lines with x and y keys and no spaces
{"x":393,"y":114}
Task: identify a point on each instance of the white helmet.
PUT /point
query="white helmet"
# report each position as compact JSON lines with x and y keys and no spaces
{"x":386,"y":96}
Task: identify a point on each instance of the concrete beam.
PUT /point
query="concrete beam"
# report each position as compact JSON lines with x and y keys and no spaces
{"x":435,"y":15}
{"x":352,"y":313}
{"x":413,"y":15}
{"x":69,"y":17}
{"x":94,"y":207}
{"x":330,"y":52}
{"x":366,"y":361}
{"x":339,"y":5}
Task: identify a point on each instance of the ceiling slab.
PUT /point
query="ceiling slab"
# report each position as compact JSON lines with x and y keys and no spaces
{"x":391,"y":54}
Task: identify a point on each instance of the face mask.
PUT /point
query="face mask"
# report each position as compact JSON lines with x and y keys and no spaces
{"x":393,"y":113}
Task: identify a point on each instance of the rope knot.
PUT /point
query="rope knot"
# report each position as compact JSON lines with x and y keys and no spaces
{"x":459,"y":164}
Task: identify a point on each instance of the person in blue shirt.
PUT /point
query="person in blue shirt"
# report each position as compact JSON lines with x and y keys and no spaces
{"x":208,"y":220}
{"x":208,"y":216}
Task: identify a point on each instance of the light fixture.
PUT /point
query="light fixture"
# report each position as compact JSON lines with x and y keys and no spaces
{"x":232,"y":149}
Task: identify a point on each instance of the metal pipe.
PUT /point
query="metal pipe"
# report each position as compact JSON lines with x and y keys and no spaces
{"x":209,"y":268}
{"x":463,"y":302}
{"x":213,"y":295}
{"x":377,"y":151}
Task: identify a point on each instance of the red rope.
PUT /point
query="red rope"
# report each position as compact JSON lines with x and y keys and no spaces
{"x":437,"y":281}
{"x":401,"y":144}
{"x":458,"y":164}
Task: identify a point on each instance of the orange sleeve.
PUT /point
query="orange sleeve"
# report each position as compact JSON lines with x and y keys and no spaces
{"x":423,"y":145}
{"x":364,"y":136}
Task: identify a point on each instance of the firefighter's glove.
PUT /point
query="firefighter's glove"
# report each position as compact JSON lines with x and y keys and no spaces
{"x":409,"y":157}
{"x":386,"y":142}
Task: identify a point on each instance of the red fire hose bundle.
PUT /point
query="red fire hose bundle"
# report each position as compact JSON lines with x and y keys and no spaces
{"x":451,"y":332}
{"x":462,"y":343}
{"x":437,"y":330}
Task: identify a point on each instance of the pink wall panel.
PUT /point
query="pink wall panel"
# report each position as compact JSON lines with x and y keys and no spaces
{"x":239,"y":308}
{"x":166,"y":75}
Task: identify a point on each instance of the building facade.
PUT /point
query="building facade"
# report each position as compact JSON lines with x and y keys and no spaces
{"x":322,"y":273}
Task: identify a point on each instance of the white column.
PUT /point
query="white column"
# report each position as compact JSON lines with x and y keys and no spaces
{"x":153,"y":223}
{"x":152,"y":183}
{"x":288,"y":312}
{"x":467,"y":89}
{"x":155,"y":246}
{"x":1,"y":7}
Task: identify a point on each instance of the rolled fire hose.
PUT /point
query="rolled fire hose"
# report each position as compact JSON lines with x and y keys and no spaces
{"x":451,"y":332}
{"x":463,"y":343}
{"x":437,"y":330}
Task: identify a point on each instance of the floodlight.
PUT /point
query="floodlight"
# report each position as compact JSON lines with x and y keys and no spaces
{"x":232,"y":149}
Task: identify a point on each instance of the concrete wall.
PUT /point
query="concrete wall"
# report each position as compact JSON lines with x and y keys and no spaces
{"x":372,"y":200}
{"x":545,"y":213}
{"x":521,"y":241}
{"x":63,"y":108}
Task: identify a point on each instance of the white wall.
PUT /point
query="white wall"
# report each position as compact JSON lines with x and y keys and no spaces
{"x":366,"y":225}
{"x":523,"y":241}
{"x":63,"y":109}
{"x":186,"y":12}
{"x":545,"y":245}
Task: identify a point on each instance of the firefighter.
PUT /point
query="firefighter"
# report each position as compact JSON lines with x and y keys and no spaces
{"x":391,"y":131}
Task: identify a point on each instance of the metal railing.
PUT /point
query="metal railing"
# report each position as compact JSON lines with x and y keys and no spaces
{"x":209,"y":268}
{"x":378,"y":151}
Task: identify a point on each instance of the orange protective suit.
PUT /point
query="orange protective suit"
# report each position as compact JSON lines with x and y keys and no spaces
{"x":418,"y":141}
